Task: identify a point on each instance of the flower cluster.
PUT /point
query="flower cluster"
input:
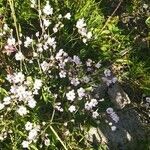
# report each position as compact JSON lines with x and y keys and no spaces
{"x":51,"y":80}
{"x":113,"y":116}
{"x":21,"y":93}
{"x":33,"y":131}
{"x":82,"y":30}
{"x":32,"y":135}
{"x":109,"y":79}
{"x":10,"y":46}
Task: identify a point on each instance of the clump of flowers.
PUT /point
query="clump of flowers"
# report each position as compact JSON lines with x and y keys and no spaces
{"x":50,"y":78}
{"x":113,"y":116}
{"x":108,"y":78}
{"x":82,"y":30}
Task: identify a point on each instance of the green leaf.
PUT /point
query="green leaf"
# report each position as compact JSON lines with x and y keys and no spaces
{"x":3,"y":91}
{"x":148,"y":22}
{"x":21,"y":133}
{"x":34,"y":147}
{"x":105,"y":32}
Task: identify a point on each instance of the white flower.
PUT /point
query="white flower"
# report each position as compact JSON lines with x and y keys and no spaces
{"x":10,"y":78}
{"x":5,"y":27}
{"x":112,"y":114}
{"x":62,"y":66}
{"x":113,"y":128}
{"x":84,"y":40}
{"x":45,"y":66}
{"x":62,"y":25}
{"x":75,"y":81}
{"x":25,"y":144}
{"x":89,"y":62}
{"x":11,"y":41}
{"x":110,"y":123}
{"x":37,"y":127}
{"x":148,"y":99}
{"x":1,"y":106}
{"x":72,"y":108}
{"x":28,"y":126}
{"x":58,"y":107}
{"x":89,"y":35}
{"x":107,"y":73}
{"x":13,"y":89}
{"x":114,"y":117}
{"x":59,"y":54}
{"x":6,"y":100}
{"x":21,"y":92}
{"x":60,"y":16}
{"x":37,"y":34}
{"x":39,"y":47}
{"x":35,"y":92}
{"x":48,"y":10}
{"x":83,"y":32}
{"x":46,"y":22}
{"x":55,"y":29}
{"x":77,"y":60}
{"x":70,"y":95}
{"x":31,"y":103}
{"x":145,"y":6}
{"x":19,"y":42}
{"x":19,"y":56}
{"x":37,"y":84}
{"x":35,"y":54}
{"x":51,"y":41}
{"x":93,"y":102}
{"x":114,"y":80}
{"x":109,"y":110}
{"x":101,"y":100}
{"x":47,"y":142}
{"x":85,"y":79}
{"x":88,"y":106}
{"x":62,"y":74}
{"x":32,"y":134}
{"x":45,"y":46}
{"x":46,"y":36}
{"x":28,"y":41}
{"x":22,"y":110}
{"x":67,"y":16}
{"x":18,"y":77}
{"x":98,"y":65}
{"x":28,"y":95}
{"x":95,"y":114}
{"x":80,"y":23}
{"x":81,"y":92}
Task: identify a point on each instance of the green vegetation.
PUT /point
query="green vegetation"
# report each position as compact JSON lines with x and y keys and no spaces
{"x":104,"y":34}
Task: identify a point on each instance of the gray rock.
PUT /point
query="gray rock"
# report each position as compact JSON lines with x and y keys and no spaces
{"x":100,"y":91}
{"x":128,"y":135}
{"x":130,"y":131}
{"x":117,"y":95}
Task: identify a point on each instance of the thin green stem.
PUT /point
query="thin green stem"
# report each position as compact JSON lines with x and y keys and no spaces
{"x":57,"y":136}
{"x":11,"y":2}
{"x":111,"y":16}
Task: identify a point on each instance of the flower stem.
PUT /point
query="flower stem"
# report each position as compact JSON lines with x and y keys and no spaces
{"x":57,"y":136}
